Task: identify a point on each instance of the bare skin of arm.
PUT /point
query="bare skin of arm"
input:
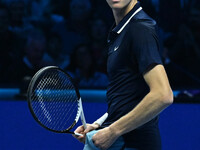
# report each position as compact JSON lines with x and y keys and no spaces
{"x":159,"y":97}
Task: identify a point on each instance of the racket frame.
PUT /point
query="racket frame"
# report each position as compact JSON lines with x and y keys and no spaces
{"x":80,"y":112}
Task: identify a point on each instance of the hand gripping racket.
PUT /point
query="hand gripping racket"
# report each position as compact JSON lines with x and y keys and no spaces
{"x":54,"y":100}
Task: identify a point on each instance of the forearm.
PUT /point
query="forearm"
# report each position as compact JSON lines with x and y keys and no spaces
{"x":151,"y":105}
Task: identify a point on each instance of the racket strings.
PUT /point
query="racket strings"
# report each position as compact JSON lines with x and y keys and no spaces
{"x":54,"y":101}
{"x":70,"y":106}
{"x":40,"y":100}
{"x":59,"y":113}
{"x":71,"y":103}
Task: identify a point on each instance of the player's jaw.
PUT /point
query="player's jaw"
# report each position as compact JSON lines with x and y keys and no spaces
{"x":119,"y":4}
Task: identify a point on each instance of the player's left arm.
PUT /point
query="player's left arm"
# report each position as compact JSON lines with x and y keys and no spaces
{"x":159,"y":97}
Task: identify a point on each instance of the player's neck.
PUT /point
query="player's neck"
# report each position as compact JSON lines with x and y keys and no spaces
{"x":119,"y":14}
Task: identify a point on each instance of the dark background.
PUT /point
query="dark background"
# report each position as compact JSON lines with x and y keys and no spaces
{"x":72,"y":34}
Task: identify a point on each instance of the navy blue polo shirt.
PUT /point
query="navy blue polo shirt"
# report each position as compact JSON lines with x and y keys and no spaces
{"x":133,"y":50}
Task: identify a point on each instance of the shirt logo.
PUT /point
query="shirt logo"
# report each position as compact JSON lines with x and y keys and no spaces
{"x":116,"y":48}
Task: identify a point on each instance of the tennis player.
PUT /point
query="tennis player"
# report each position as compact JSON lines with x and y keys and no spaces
{"x":138,"y":87}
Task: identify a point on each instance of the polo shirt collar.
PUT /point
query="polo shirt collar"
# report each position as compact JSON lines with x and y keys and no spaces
{"x":122,"y":24}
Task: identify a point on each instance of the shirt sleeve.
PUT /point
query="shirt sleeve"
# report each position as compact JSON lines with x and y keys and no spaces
{"x":145,"y":47}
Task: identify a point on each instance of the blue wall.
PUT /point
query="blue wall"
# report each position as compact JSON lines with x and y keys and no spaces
{"x":179,"y":125}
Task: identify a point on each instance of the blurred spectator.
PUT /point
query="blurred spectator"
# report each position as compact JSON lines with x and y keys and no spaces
{"x":181,"y":48}
{"x":75,"y":28}
{"x":185,"y":49}
{"x":98,"y":35}
{"x":33,"y":59}
{"x":170,"y":15}
{"x":179,"y":76}
{"x":183,"y":56}
{"x":7,"y":41}
{"x":54,"y":49}
{"x":151,"y":7}
{"x":67,"y":24}
{"x":101,"y":9}
{"x":19,"y":24}
{"x":39,"y":8}
{"x":60,"y":7}
{"x":41,"y":14}
{"x":194,"y":22}
{"x":83,"y":69}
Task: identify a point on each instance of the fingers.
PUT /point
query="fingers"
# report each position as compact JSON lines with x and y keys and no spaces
{"x":80,"y":129}
{"x":80,"y":138}
{"x":91,"y":127}
{"x":88,"y":129}
{"x":83,"y":131}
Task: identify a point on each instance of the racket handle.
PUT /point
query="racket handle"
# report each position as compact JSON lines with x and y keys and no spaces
{"x":82,"y":115}
{"x":78,"y":134}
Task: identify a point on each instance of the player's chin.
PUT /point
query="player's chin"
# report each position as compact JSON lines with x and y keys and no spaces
{"x":117,"y":6}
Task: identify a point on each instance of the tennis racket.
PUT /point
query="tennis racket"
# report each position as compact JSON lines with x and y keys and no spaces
{"x":54,"y":100}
